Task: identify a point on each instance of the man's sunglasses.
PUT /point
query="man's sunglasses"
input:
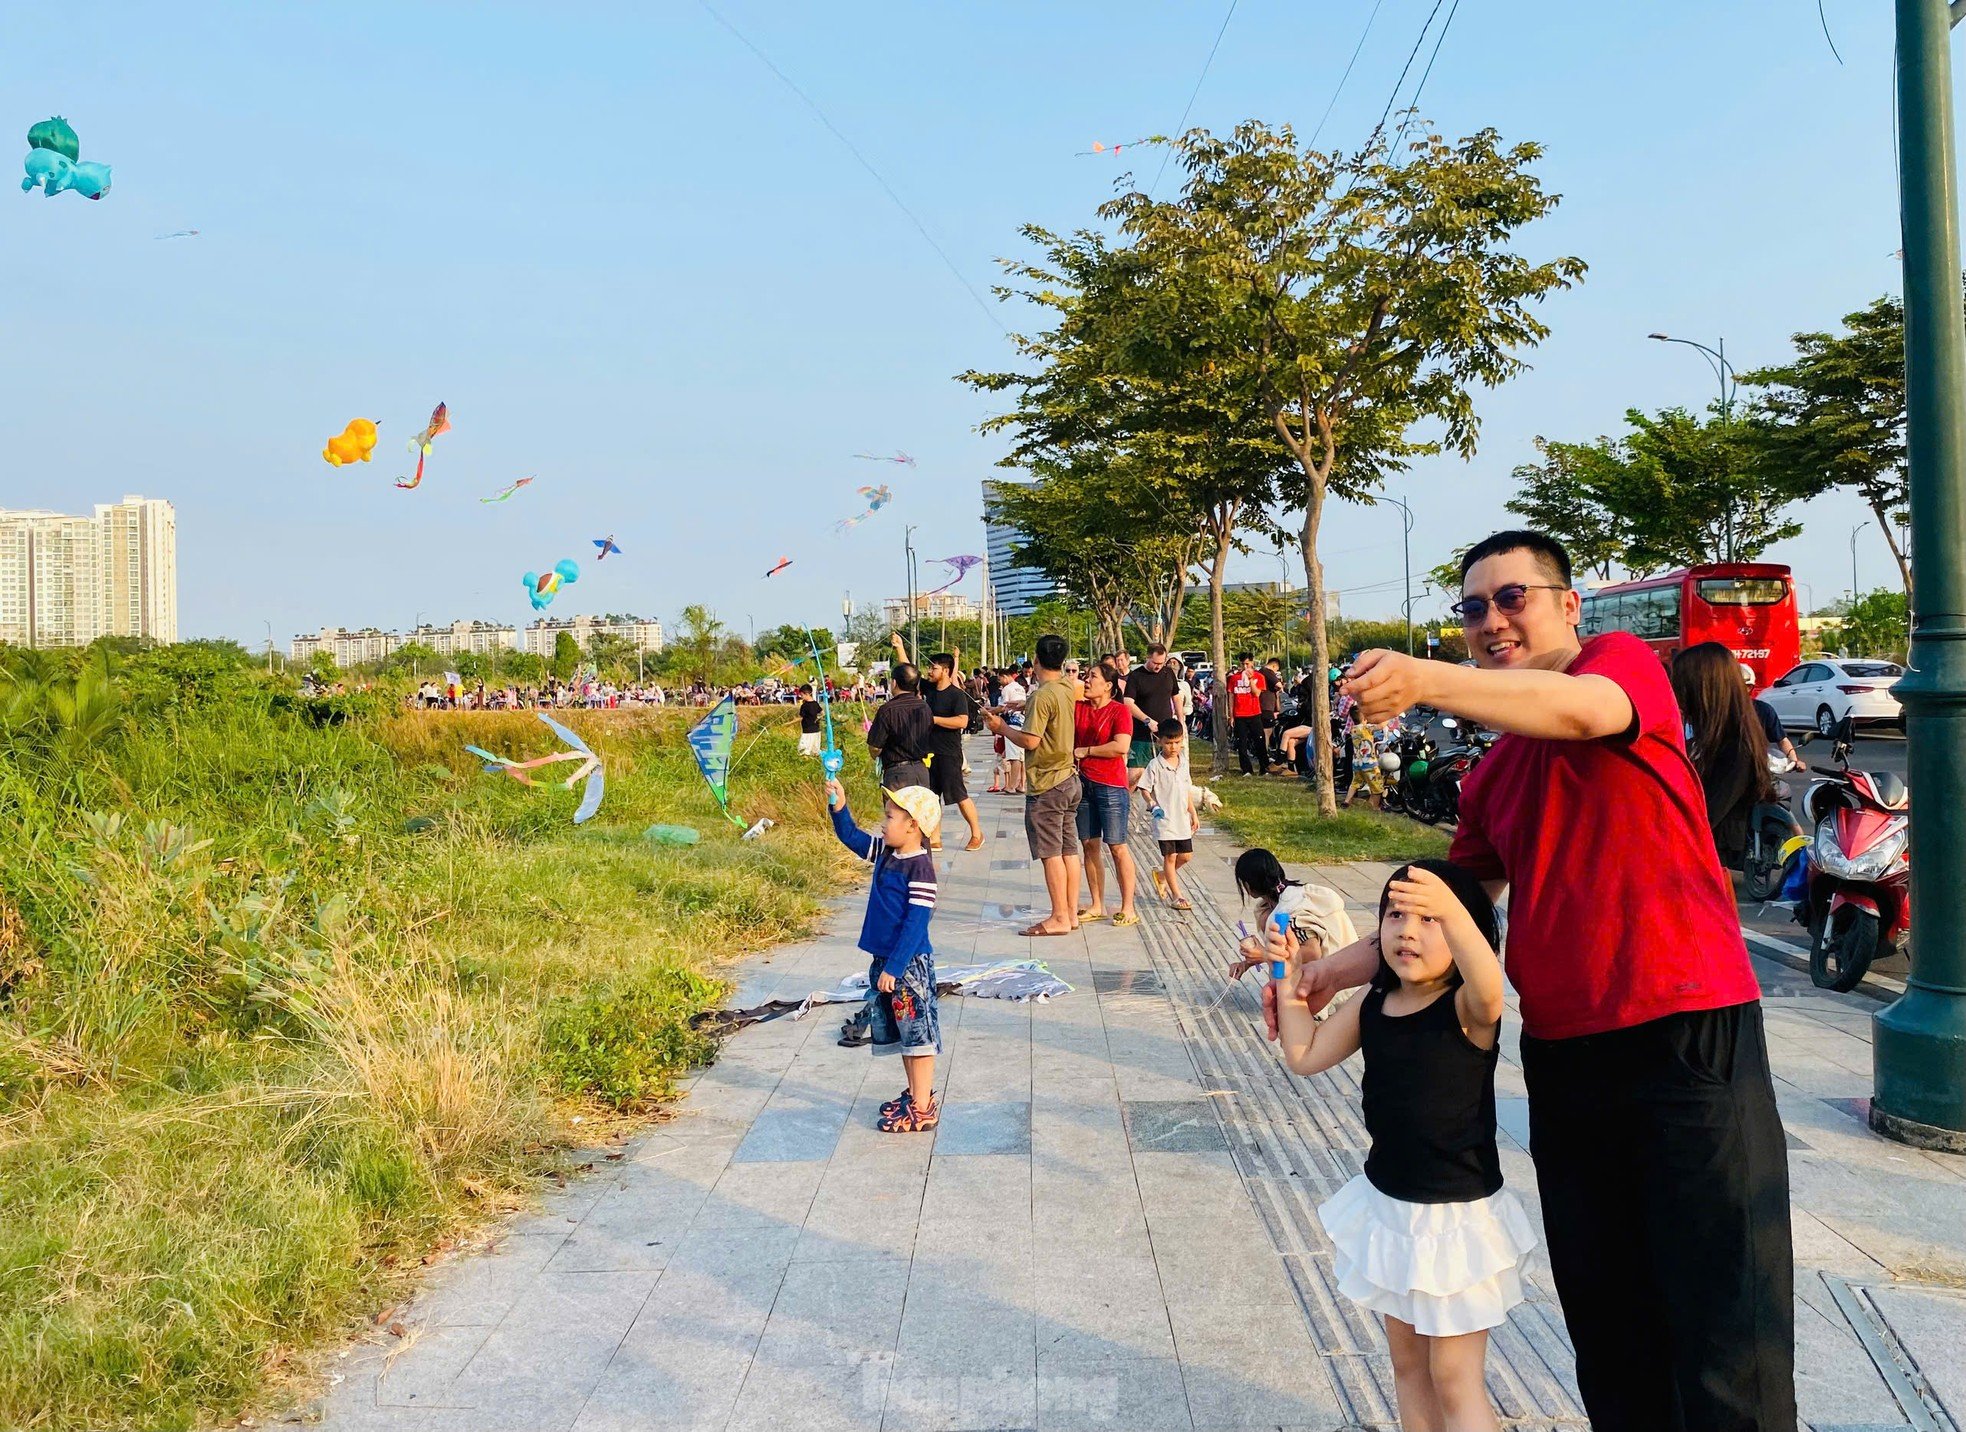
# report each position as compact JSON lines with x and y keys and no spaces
{"x":1508,"y":600}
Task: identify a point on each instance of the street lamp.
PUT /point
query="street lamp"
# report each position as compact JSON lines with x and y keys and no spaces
{"x":1855,"y":532}
{"x":1406,"y":558}
{"x":1716,"y":360}
{"x":914,"y":635}
{"x":1919,"y":1044}
{"x":1283,"y":591}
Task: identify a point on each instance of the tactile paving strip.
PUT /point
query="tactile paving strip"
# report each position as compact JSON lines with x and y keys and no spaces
{"x":1296,"y":1142}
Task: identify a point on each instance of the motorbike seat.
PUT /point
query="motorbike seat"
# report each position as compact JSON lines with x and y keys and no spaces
{"x":1891,"y":790}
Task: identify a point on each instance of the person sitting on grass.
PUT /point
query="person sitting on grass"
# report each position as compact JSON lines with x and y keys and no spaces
{"x":1171,"y":795}
{"x":901,"y":979}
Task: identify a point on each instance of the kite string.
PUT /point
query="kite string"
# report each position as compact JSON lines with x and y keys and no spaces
{"x":1356,"y":49}
{"x":1188,"y":109}
{"x":865,"y":163}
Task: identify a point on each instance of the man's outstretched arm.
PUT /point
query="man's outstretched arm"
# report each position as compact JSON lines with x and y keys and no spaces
{"x":1551,"y":705}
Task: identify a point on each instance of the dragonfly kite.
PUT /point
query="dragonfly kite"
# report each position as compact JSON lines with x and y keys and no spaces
{"x":899,"y":457}
{"x":588,"y":770}
{"x":508,"y":491}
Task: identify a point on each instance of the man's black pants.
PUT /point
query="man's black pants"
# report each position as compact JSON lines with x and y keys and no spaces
{"x":1251,"y":748}
{"x":1663,"y":1172}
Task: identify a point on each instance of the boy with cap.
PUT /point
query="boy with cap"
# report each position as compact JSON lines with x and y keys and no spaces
{"x":901,"y":978}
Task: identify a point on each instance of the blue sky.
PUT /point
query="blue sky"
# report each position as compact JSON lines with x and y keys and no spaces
{"x":633,"y":263}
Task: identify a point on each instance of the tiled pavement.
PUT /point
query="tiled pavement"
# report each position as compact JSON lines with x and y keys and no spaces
{"x":1113,"y":1227}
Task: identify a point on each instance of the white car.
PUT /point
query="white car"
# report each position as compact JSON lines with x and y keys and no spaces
{"x":1823,"y":690}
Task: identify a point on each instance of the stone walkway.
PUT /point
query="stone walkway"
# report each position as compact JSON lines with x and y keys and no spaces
{"x":1112,"y":1228}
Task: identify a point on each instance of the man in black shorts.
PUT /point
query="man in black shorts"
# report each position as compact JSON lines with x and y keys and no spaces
{"x":949,"y":704}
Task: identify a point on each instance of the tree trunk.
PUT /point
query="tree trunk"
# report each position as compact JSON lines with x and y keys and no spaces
{"x":1219,"y":652}
{"x":1327,"y":797}
{"x":1891,"y":541}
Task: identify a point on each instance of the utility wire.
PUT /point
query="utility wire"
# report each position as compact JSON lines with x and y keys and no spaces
{"x":1356,"y":49}
{"x":1413,"y":104}
{"x":865,"y":163}
{"x":1182,"y":127}
{"x":1392,"y":98}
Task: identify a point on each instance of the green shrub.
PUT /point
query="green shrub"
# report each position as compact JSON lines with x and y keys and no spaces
{"x":625,"y":1044}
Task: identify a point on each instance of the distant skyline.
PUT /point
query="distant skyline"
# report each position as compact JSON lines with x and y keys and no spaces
{"x":638,"y":267}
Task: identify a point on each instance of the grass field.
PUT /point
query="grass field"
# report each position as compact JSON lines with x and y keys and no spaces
{"x":1280,"y":814}
{"x":285,"y":1005}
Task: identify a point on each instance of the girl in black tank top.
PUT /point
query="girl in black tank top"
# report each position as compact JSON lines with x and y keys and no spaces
{"x":1426,"y":1236}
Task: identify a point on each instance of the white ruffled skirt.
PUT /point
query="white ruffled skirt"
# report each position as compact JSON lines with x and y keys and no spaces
{"x":1443,"y":1268}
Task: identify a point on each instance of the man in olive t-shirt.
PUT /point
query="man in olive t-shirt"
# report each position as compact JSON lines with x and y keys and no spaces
{"x":1051,"y":801}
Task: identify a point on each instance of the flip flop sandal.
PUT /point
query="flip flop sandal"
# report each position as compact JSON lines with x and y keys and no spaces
{"x":857,"y":1030}
{"x":1086,"y":917}
{"x":895,"y":1106}
{"x":1183,"y":904}
{"x":1160,"y":883}
{"x":1038,"y":932}
{"x":1124,"y":920}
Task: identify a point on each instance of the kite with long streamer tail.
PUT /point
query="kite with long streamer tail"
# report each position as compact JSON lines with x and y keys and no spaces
{"x":440,"y":422}
{"x":959,"y":565}
{"x":899,"y":457}
{"x":589,"y":768}
{"x":877,"y":498}
{"x":508,"y":491}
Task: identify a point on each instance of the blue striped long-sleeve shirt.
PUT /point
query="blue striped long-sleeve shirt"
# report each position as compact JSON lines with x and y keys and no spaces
{"x":895,"y":929}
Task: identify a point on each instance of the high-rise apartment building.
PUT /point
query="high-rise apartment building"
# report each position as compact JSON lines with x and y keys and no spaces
{"x":1015,"y":591}
{"x":65,"y":580}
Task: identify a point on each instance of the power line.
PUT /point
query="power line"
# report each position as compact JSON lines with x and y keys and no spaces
{"x":1356,"y":49}
{"x":1414,"y":103}
{"x":1182,"y":127}
{"x":865,"y":163}
{"x":1411,"y":56}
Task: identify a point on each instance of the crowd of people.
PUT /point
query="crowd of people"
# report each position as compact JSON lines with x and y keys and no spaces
{"x":1659,"y":1152}
{"x":594,"y":694}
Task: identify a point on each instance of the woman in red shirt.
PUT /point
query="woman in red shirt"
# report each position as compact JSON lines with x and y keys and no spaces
{"x":1102,"y":728}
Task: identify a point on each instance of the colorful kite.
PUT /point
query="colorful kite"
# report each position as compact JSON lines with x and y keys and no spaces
{"x":780,"y":565}
{"x":711,"y":739}
{"x":606,"y":544}
{"x":900,"y":457}
{"x":542,"y":589}
{"x":958,"y":565}
{"x":877,"y":498}
{"x":440,"y":422}
{"x":1098,"y":148}
{"x":521,"y":771}
{"x":353,"y":444}
{"x":54,"y":162}
{"x":508,"y":491}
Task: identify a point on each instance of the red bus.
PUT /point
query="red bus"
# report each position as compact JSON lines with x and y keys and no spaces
{"x":1749,"y":607}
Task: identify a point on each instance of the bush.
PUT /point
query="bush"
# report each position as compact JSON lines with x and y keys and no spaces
{"x":625,"y":1045}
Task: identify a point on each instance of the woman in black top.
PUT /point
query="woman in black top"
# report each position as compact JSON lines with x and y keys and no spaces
{"x":1427,"y":1236}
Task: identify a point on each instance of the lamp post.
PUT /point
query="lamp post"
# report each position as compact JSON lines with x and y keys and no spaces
{"x":1855,"y":532}
{"x":914,"y":639}
{"x":1406,"y":561}
{"x":1722,"y":369}
{"x":1283,"y":591}
{"x":1918,"y":1049}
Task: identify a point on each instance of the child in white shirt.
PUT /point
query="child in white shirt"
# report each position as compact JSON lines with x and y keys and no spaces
{"x":1170,"y":793}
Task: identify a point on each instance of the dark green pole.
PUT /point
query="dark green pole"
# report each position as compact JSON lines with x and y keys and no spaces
{"x":1920,"y":1043}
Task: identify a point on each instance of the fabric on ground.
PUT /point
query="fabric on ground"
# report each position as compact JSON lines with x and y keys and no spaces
{"x":1016,"y":980}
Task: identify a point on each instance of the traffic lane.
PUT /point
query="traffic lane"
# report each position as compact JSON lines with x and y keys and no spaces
{"x":1871,"y":751}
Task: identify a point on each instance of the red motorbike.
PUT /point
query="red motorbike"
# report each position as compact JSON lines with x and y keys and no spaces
{"x":1857,"y":905}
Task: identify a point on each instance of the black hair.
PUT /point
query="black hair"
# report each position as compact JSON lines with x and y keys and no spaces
{"x":1050,"y":651}
{"x":1111,"y":672}
{"x":943,"y":659}
{"x":1467,"y":889}
{"x":906,"y":677}
{"x":1259,"y":875}
{"x":1546,"y":548}
{"x":1167,"y":730}
{"x":1245,"y":656}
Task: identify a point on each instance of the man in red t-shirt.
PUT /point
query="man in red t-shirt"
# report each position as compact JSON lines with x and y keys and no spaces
{"x":1246,"y":687}
{"x":1660,"y":1157}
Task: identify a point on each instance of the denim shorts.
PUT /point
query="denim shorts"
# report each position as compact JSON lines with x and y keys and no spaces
{"x":905,"y":1020}
{"x":1102,"y":813}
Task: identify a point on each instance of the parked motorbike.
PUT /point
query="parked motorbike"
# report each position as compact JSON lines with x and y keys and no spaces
{"x":1857,"y":906}
{"x":1423,"y":783}
{"x":1775,"y":838}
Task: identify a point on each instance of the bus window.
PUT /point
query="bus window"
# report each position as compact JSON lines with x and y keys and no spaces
{"x":1741,"y":591}
{"x":1653,"y":615}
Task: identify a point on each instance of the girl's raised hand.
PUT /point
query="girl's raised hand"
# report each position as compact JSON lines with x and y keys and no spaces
{"x":1425,"y":894}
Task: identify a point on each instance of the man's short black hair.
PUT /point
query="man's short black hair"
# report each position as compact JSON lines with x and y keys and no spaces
{"x":1167,"y":730}
{"x":906,"y":677}
{"x":1051,"y":652}
{"x":1245,"y":656}
{"x":1546,"y":549}
{"x":944,"y":660}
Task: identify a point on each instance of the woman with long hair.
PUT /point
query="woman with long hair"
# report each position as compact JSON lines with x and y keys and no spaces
{"x":1724,"y":738}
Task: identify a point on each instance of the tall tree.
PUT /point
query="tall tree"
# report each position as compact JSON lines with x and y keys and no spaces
{"x":1561,"y":495}
{"x":1834,"y":416}
{"x":1371,"y":294}
{"x":700,"y":639}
